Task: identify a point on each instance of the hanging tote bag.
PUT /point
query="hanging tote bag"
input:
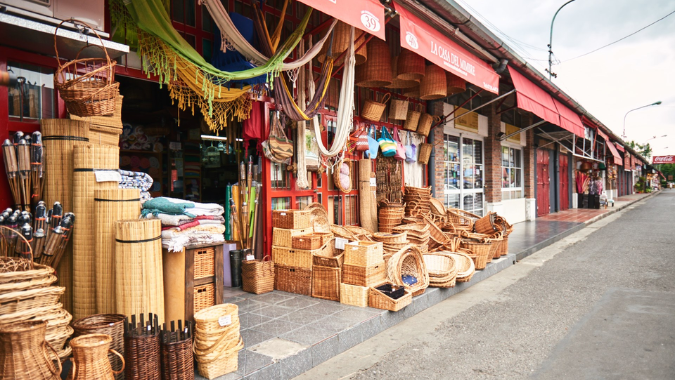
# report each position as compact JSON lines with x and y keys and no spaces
{"x":400,"y":149}
{"x":387,"y":144}
{"x":280,"y":145}
{"x":373,"y":146}
{"x":410,"y":150}
{"x":361,"y":140}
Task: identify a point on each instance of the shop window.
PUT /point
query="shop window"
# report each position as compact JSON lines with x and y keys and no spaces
{"x":281,"y":203}
{"x":193,"y":22}
{"x":281,"y":178}
{"x":463,"y":173}
{"x":512,"y":172}
{"x":32,"y":97}
{"x":302,"y":202}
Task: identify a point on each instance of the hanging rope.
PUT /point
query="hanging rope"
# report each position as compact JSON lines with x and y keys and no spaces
{"x":302,"y":181}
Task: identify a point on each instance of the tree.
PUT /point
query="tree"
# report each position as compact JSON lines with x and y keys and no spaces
{"x":643,"y":149}
{"x":666,"y":169}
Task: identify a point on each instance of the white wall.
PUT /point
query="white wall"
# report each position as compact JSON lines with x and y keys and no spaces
{"x":514,"y":210}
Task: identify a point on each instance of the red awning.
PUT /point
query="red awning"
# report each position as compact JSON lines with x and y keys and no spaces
{"x":570,"y":120}
{"x":367,"y":15}
{"x":532,"y":98}
{"x":619,"y":147}
{"x":610,"y":145}
{"x":419,"y":37}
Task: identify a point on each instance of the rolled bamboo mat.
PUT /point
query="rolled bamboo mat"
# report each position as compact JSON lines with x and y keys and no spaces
{"x":139,"y":284}
{"x":89,"y":160}
{"x":59,"y":137}
{"x":365,"y":198}
{"x":110,"y":206}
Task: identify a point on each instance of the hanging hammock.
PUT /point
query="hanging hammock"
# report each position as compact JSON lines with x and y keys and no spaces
{"x":233,"y":40}
{"x":283,"y":95}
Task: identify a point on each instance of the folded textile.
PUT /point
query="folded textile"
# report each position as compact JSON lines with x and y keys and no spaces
{"x":179,"y":220}
{"x":200,"y":209}
{"x":194,"y":223}
{"x":194,"y":231}
{"x":173,"y":206}
{"x":177,"y":244}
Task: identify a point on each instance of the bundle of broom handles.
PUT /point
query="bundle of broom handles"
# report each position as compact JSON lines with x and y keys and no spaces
{"x":24,"y":161}
{"x":45,"y":236}
{"x":242,"y":221}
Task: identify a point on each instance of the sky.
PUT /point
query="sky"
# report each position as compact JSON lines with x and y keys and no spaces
{"x":637,"y":71}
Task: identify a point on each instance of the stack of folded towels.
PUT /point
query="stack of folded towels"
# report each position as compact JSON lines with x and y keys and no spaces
{"x":185,"y":222}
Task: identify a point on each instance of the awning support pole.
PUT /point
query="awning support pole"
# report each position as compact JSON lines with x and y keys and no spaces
{"x":483,"y":105}
{"x":521,"y":130}
{"x":455,"y":110}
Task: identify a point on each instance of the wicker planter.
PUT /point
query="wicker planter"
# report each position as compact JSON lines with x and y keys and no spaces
{"x":376,"y":72}
{"x":433,"y":85}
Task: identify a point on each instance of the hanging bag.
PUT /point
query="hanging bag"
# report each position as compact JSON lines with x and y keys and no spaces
{"x":400,"y":149}
{"x":362,"y":140}
{"x":280,"y":145}
{"x":410,"y":150}
{"x":387,"y":144}
{"x":373,"y":146}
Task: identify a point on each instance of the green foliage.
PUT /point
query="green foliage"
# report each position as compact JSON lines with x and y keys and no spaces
{"x":645,"y":150}
{"x":666,"y":169}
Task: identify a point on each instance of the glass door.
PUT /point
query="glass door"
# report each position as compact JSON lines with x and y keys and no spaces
{"x":463,"y":174}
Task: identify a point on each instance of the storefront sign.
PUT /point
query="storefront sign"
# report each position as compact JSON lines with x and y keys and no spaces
{"x":367,"y":15}
{"x":508,"y":129}
{"x":467,"y":121}
{"x":670,"y":177}
{"x":431,"y":44}
{"x":664,"y":160}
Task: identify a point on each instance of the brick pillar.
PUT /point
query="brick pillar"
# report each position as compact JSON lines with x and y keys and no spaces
{"x":528,"y":158}
{"x":493,"y":160}
{"x":435,"y":108}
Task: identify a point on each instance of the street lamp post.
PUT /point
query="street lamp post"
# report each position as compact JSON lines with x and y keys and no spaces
{"x":550,"y":43}
{"x":635,"y":109}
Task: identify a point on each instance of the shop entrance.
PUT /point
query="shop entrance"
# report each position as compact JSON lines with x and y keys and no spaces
{"x":462,"y":174}
{"x":564,"y":182}
{"x":543,"y":182}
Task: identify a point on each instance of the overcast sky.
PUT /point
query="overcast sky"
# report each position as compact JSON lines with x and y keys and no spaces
{"x":634,"y":72}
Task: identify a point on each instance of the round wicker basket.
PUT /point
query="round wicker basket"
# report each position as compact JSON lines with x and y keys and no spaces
{"x":433,"y":85}
{"x":376,"y":72}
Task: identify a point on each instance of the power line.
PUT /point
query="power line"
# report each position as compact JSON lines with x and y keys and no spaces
{"x":619,"y":40}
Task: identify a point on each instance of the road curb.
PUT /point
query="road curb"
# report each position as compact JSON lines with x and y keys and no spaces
{"x":617,"y":209}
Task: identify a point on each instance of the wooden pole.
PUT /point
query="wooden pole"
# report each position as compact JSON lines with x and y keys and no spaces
{"x":366,"y":199}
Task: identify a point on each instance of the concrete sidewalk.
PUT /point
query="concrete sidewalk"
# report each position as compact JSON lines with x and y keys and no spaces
{"x":287,"y":334}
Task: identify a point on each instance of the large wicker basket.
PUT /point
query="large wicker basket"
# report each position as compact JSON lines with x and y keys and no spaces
{"x":433,"y":85}
{"x":398,"y":110}
{"x":373,"y":110}
{"x":410,"y":66}
{"x":87,"y":85}
{"x":109,"y":324}
{"x":425,"y":153}
{"x":376,"y":72}
{"x":257,"y":275}
{"x":412,"y":119}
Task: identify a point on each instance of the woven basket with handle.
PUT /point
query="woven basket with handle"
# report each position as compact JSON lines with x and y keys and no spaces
{"x":412,"y":119}
{"x":373,"y":110}
{"x":398,"y":110}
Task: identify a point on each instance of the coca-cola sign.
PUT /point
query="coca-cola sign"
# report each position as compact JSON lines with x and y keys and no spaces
{"x":664,"y":160}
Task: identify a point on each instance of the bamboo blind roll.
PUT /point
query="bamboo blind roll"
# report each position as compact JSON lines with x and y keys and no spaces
{"x":365,"y":198}
{"x":139,"y":284}
{"x":110,"y":206}
{"x":89,"y":161}
{"x":59,"y":137}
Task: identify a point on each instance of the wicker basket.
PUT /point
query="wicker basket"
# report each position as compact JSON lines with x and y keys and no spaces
{"x":293,"y":279}
{"x":326,"y":282}
{"x":29,"y":299}
{"x":257,"y":275}
{"x":391,"y":238}
{"x":465,"y":266}
{"x":109,"y":324}
{"x":408,"y":262}
{"x":376,"y":72}
{"x":309,"y":241}
{"x":291,"y":219}
{"x":364,"y":276}
{"x":284,"y":237}
{"x":397,"y":82}
{"x":398,"y":110}
{"x":454,"y":84}
{"x":426,"y":121}
{"x":433,"y":86}
{"x":91,"y":358}
{"x":217,"y":340}
{"x":341,"y":40}
{"x":176,"y":353}
{"x":410,"y":66}
{"x":412,"y":92}
{"x":354,"y":295}
{"x":204,"y":296}
{"x":336,"y":176}
{"x":87,"y":85}
{"x":480,"y":252}
{"x":301,"y":258}
{"x":363,"y":253}
{"x":442,"y":269}
{"x":379,"y":300}
{"x":412,"y":119}
{"x":329,"y":256}
{"x":141,"y":350}
{"x":24,"y":353}
{"x":373,"y":110}
{"x":485,"y":225}
{"x":425,"y":153}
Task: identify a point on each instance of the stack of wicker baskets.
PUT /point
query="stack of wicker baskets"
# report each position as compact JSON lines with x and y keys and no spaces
{"x":391,"y":242}
{"x":27,"y":295}
{"x":217,"y":340}
{"x":442,"y":269}
{"x":293,"y":266}
{"x":363,"y":267}
{"x":407,"y":268}
{"x":418,"y":234}
{"x":417,"y":201}
{"x":389,"y":216}
{"x":327,"y":272}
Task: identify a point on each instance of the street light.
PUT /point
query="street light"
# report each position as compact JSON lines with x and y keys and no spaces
{"x":660,"y":137}
{"x":635,"y":109}
{"x":550,"y":43}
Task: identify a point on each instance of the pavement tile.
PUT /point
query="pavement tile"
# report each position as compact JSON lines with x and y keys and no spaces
{"x":250,"y":362}
{"x":308,"y":335}
{"x":350,"y":338}
{"x":303,"y":317}
{"x":295,"y":365}
{"x":324,"y":350}
{"x":269,"y":372}
{"x":357,"y":315}
{"x":253,"y":337}
{"x":277,"y":327}
{"x":274,"y":311}
{"x":273,"y":298}
{"x":299,"y":302}
{"x":326,"y":307}
{"x":248,"y":320}
{"x":334,"y":324}
{"x":248,"y":306}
